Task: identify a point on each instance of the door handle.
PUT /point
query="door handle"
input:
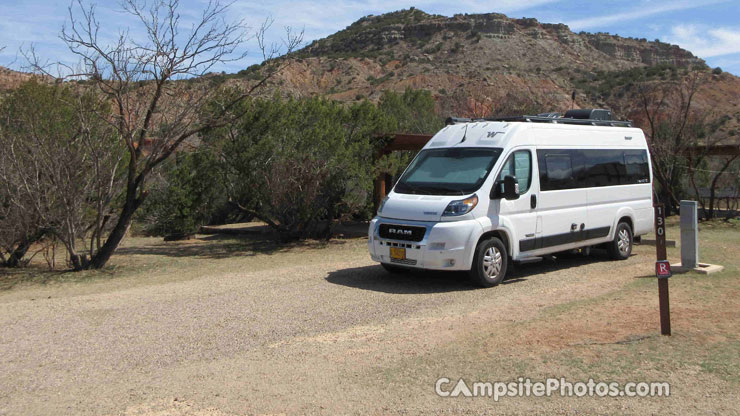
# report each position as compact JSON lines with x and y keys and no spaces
{"x":533,"y":201}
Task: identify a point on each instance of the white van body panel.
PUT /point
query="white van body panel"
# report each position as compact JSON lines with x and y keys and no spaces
{"x":529,"y":232}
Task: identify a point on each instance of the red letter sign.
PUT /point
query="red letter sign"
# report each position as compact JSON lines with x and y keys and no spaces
{"x":663,"y":269}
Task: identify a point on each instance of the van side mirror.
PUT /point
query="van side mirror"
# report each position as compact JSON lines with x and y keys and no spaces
{"x":507,"y":189}
{"x":511,"y":188}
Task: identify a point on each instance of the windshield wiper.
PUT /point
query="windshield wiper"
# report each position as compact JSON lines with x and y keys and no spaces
{"x":415,"y":189}
{"x":438,"y":188}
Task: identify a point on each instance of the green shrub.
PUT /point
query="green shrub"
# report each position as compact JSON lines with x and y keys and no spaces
{"x":299,"y":165}
{"x":186,"y":196}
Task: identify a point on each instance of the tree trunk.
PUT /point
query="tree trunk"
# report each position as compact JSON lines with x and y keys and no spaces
{"x":713,"y":186}
{"x":15,"y":257}
{"x":100,"y":259}
{"x":692,"y":181}
{"x":14,"y":260}
{"x":667,"y":201}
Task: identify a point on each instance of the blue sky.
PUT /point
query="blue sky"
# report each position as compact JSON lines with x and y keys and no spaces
{"x":708,"y":28}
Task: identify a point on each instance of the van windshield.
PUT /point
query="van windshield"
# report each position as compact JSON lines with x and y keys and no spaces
{"x":451,"y":171}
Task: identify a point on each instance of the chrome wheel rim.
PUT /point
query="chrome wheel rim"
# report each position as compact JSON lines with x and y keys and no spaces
{"x":492,"y":262}
{"x":623,"y":242}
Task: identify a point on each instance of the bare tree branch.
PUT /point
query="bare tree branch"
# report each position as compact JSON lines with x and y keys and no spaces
{"x":155,"y":82}
{"x":668,"y":110}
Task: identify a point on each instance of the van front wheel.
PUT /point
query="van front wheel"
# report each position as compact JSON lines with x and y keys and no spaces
{"x":621,"y":247}
{"x":490,"y":263}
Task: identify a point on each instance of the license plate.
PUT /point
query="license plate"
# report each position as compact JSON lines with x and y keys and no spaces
{"x":398,"y":253}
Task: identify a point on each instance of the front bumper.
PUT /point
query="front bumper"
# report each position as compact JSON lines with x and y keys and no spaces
{"x":446,"y":245}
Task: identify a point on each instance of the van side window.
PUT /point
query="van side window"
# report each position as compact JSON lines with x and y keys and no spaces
{"x":591,"y":168}
{"x":519,"y":164}
{"x":604,"y":168}
{"x":636,"y":166}
{"x":558,"y":172}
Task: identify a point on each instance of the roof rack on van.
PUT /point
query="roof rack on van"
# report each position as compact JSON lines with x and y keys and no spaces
{"x":455,"y":120}
{"x":589,"y":117}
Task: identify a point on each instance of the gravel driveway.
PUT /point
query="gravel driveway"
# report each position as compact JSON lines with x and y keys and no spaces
{"x":318,"y":330}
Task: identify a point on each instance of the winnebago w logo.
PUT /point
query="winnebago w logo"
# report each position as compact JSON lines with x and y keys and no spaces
{"x":399,"y":232}
{"x":492,"y":134}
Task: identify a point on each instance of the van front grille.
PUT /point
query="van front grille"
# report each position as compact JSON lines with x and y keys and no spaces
{"x":402,"y":232}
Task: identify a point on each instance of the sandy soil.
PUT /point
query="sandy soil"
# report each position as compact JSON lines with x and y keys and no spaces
{"x":209,"y":327}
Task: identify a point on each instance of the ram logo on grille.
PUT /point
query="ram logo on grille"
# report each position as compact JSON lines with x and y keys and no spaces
{"x":400,"y":232}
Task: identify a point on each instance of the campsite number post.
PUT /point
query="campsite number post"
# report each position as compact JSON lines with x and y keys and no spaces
{"x":662,"y":270}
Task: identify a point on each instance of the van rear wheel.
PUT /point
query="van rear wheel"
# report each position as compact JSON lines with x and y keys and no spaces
{"x":621,"y":247}
{"x":490,"y":263}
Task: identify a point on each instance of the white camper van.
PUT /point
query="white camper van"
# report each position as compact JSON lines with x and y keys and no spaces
{"x":484,"y":193}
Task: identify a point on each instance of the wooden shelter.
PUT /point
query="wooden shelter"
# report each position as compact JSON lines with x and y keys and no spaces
{"x":396,"y":142}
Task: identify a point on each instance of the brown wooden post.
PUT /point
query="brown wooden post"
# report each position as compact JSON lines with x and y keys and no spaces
{"x":398,"y":142}
{"x":662,"y":270}
{"x":665,"y":308}
{"x":379,"y":190}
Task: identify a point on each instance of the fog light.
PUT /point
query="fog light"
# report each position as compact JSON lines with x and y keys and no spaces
{"x":451,"y":262}
{"x":437,"y":246}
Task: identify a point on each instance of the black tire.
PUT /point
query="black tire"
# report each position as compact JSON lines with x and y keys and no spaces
{"x":394,"y":269}
{"x":491,"y":275}
{"x":621,"y":247}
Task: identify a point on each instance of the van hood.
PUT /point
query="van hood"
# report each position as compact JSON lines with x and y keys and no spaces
{"x":416,"y":207}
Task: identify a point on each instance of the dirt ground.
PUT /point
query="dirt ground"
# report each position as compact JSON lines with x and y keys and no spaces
{"x":229,"y":325}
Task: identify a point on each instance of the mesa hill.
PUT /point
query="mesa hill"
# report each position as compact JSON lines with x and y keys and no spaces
{"x":481,"y":64}
{"x":475,"y":64}
{"x":10,"y":79}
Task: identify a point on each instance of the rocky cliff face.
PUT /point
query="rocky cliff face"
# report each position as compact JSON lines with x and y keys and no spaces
{"x":476,"y":65}
{"x":393,"y":30}
{"x":641,"y":51}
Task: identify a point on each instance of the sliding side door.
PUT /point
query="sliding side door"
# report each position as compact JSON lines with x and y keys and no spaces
{"x":563,"y":204}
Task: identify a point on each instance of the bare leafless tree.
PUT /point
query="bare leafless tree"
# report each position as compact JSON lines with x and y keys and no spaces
{"x":725,"y":163}
{"x":667,"y":107}
{"x":59,"y":165}
{"x":154,"y":76}
{"x":19,"y":227}
{"x":705,"y":162}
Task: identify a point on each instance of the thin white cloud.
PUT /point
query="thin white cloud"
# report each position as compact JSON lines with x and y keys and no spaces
{"x":638,"y":13}
{"x":706,"y":42}
{"x":729,"y":63}
{"x":333,"y":15}
{"x":499,"y":6}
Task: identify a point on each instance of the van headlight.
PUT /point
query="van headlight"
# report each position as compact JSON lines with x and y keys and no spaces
{"x":460,"y":207}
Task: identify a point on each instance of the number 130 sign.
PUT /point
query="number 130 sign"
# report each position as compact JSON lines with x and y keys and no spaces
{"x":662,"y":267}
